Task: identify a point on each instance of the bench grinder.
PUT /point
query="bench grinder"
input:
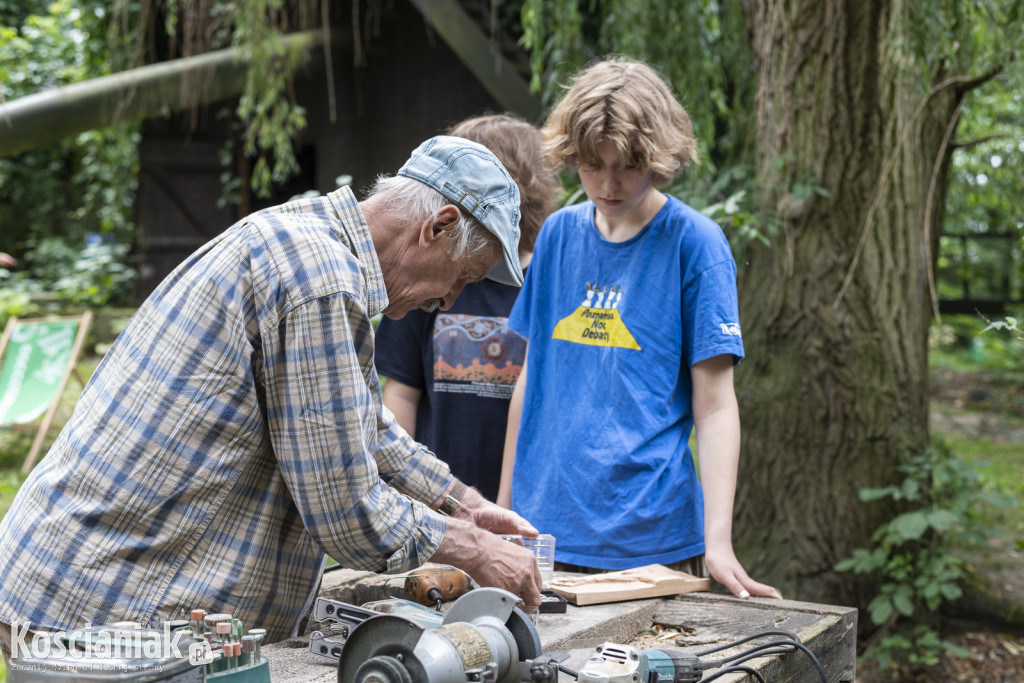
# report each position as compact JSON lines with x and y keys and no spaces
{"x":483,"y":637}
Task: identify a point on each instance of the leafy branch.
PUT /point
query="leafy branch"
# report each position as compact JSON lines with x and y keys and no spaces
{"x":1008,"y":324}
{"x":945,"y":507}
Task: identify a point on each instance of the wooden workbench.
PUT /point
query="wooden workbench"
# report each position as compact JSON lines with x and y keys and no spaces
{"x":703,"y":620}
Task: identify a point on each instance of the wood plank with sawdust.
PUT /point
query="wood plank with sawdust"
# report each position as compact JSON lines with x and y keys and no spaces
{"x":652,"y":581}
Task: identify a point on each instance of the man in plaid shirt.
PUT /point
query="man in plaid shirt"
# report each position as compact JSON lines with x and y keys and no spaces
{"x":234,"y":435}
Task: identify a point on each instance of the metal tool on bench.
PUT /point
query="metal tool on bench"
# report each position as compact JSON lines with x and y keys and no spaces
{"x":338,"y":619}
{"x":429,"y":586}
{"x":484,"y":637}
{"x":433,"y":585}
{"x":615,"y":663}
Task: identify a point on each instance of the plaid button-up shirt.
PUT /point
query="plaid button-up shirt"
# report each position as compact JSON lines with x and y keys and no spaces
{"x":233,"y":435}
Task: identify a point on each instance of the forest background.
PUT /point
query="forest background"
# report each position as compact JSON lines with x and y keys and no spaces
{"x":866,"y":161}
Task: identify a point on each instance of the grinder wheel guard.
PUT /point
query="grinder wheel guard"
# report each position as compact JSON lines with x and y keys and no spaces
{"x":483,"y":630}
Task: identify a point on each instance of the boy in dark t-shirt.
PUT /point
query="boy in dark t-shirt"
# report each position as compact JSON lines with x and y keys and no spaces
{"x":450,"y":373}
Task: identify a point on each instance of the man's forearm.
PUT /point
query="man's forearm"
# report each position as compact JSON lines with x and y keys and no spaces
{"x":490,"y":560}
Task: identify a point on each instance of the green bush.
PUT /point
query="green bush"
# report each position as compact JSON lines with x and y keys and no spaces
{"x":13,"y":303}
{"x":82,"y":184}
{"x":945,"y":507}
{"x":94,"y":275}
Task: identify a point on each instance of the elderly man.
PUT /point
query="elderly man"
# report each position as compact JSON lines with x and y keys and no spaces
{"x":234,"y":433}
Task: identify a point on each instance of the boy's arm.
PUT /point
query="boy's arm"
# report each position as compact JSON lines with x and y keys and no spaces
{"x":716,"y":419}
{"x":515,"y":411}
{"x":404,"y":401}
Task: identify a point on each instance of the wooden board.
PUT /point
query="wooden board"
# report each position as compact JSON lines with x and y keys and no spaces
{"x":652,"y":581}
{"x":711,"y":619}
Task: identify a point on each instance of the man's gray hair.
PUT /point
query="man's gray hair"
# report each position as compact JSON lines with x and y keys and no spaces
{"x":414,"y":200}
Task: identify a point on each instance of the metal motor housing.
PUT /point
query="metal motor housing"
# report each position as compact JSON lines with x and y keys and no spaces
{"x":615,"y":663}
{"x":483,"y":637}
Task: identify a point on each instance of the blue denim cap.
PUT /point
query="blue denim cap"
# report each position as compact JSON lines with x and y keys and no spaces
{"x":472,"y":177}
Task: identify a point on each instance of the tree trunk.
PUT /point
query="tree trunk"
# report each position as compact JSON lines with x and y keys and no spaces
{"x":836,"y":311}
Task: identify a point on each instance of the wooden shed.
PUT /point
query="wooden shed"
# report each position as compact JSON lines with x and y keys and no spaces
{"x":428,"y":66}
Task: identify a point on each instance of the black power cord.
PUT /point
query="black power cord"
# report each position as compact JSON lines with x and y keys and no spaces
{"x":774,"y":647}
{"x":739,"y":668}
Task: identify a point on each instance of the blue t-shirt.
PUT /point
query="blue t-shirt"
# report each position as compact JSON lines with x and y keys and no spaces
{"x":465,"y":361}
{"x":603,"y":461}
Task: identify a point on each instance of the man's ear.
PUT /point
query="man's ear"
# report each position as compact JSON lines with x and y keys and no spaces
{"x":433,"y":229}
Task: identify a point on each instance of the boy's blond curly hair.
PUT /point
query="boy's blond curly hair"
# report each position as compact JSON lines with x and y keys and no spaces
{"x":516,"y":143}
{"x":627,"y":103}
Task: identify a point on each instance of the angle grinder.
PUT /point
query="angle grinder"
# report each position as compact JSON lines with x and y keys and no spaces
{"x":615,"y":663}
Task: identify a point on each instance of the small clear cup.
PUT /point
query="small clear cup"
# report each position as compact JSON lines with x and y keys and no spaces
{"x":543,"y":549}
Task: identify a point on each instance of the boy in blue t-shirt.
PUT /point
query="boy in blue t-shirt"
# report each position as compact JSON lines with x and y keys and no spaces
{"x":630,"y":313}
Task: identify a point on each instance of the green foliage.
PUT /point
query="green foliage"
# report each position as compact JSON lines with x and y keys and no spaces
{"x":95,"y":275}
{"x":272,"y":118}
{"x":919,"y":647}
{"x":734,"y":213}
{"x":982,"y":254}
{"x":699,"y":47}
{"x":1009,"y":324}
{"x":944,"y":508}
{"x":956,"y":37}
{"x":987,"y":173}
{"x":10,"y":481}
{"x":971,"y":342}
{"x":13,"y":303}
{"x":78,"y":186}
{"x":13,"y":12}
{"x":999,"y":469}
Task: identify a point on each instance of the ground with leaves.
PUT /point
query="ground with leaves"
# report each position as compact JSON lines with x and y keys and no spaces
{"x":983,"y":407}
{"x":994,"y":658}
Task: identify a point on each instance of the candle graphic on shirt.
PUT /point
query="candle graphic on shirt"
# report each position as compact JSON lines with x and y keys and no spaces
{"x":596,"y":321}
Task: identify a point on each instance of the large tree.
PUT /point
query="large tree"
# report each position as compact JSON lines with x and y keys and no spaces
{"x":856,"y":114}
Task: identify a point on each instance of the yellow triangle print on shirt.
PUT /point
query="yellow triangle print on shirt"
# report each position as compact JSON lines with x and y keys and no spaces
{"x":596,"y":321}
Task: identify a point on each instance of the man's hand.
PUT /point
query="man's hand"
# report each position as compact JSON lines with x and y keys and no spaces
{"x":494,"y":518}
{"x":490,"y":559}
{"x":727,"y":570}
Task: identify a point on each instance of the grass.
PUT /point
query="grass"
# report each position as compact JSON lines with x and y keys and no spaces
{"x":10,"y":481}
{"x":1000,"y":472}
{"x":978,"y":405}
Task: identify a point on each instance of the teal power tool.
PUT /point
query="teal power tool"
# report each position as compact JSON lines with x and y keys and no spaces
{"x":614,"y":663}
